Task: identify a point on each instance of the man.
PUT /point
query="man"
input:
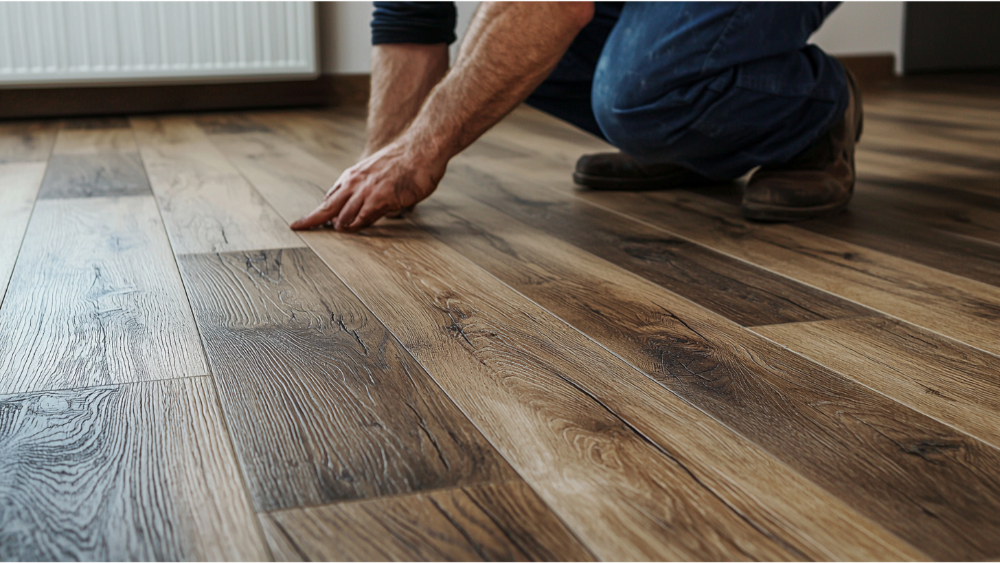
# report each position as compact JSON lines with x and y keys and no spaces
{"x":689,"y":92}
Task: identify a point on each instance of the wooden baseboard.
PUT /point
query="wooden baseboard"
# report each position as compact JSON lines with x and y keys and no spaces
{"x":35,"y":103}
{"x":872,"y":71}
{"x":347,"y":89}
{"x":327,"y":90}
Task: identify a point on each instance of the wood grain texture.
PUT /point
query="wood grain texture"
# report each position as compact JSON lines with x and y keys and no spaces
{"x":26,"y":141}
{"x":19,"y":185}
{"x":761,"y":391}
{"x":95,"y":298}
{"x":104,"y":174}
{"x":499,"y":522}
{"x":952,"y":305}
{"x":883,"y":226}
{"x":732,"y":288}
{"x":945,"y":379}
{"x":350,"y":414}
{"x":537,"y":419}
{"x":134,"y":472}
{"x":334,"y":136}
{"x":545,"y":395}
{"x":526,"y":407}
{"x":207,"y":206}
{"x":945,"y":198}
{"x":95,"y":140}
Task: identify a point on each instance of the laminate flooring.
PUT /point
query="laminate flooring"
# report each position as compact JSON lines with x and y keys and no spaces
{"x":518,"y":370}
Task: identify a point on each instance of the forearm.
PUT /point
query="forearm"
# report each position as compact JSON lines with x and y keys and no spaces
{"x":509,"y":50}
{"x":402,"y":77}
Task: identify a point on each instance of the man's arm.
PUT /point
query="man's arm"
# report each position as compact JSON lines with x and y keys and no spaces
{"x":402,"y":77}
{"x":509,"y":49}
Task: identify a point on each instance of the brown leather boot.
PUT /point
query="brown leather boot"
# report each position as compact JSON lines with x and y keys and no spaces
{"x":619,"y":171}
{"x":817,"y":182}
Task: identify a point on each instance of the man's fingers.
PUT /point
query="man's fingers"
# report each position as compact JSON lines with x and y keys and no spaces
{"x":349,"y":211}
{"x":327,"y":210}
{"x":368,"y":215}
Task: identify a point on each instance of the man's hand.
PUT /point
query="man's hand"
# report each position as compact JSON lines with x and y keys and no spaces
{"x":509,"y":49}
{"x":392,"y":179}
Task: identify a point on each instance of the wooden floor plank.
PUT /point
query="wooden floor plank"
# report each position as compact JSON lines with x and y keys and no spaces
{"x":937,"y":376}
{"x":134,"y":472}
{"x":740,"y":381}
{"x":328,"y":135}
{"x":519,"y":376}
{"x":727,"y":286}
{"x":207,"y":206}
{"x":349,"y":413}
{"x":103,"y":174}
{"x":965,"y":204}
{"x":95,"y":298}
{"x":537,"y":369}
{"x":95,"y":137}
{"x":952,"y":305}
{"x":881,"y":226}
{"x":26,"y":141}
{"x":950,"y":182}
{"x":499,"y":522}
{"x":740,"y":292}
{"x":19,"y":184}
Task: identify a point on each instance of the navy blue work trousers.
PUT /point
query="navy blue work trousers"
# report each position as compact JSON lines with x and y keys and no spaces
{"x":716,"y":87}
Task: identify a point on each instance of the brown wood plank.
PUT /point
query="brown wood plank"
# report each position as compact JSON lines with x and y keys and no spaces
{"x":19,"y":185}
{"x":95,"y":139}
{"x":732,"y":288}
{"x":207,"y":206}
{"x":26,"y":141}
{"x":945,"y":379}
{"x":954,"y":201}
{"x":350,"y":414}
{"x":103,"y":174}
{"x":499,"y":522}
{"x":675,"y":507}
{"x":881,"y":226}
{"x":95,"y":298}
{"x":740,"y":380}
{"x":326,"y":134}
{"x":134,"y":472}
{"x":546,"y":396}
{"x":952,"y":305}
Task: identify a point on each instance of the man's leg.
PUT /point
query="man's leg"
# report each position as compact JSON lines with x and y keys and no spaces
{"x":718,"y":88}
{"x":566,"y":93}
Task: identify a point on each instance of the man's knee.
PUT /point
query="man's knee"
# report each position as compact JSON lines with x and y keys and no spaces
{"x":641,"y":127}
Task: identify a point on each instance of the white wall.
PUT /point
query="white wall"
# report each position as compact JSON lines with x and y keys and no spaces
{"x":854,"y":28}
{"x":864,"y":28}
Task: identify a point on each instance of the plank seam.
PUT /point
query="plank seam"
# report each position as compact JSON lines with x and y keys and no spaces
{"x":259,"y":528}
{"x":973,"y":437}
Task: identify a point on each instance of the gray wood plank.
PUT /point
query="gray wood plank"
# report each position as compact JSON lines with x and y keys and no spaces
{"x":19,"y":185}
{"x":500,"y":522}
{"x":104,"y":174}
{"x":207,"y":206}
{"x":26,"y":141}
{"x":95,"y":298}
{"x":133,"y":472}
{"x":349,"y":413}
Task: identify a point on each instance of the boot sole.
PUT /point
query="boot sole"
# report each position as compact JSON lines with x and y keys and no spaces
{"x":667,"y":182}
{"x":780,"y":214}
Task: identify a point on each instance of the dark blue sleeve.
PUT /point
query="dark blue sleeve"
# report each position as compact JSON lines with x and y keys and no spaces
{"x":413,"y":22}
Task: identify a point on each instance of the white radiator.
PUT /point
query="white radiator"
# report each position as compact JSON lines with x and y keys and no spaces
{"x":43,"y":43}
